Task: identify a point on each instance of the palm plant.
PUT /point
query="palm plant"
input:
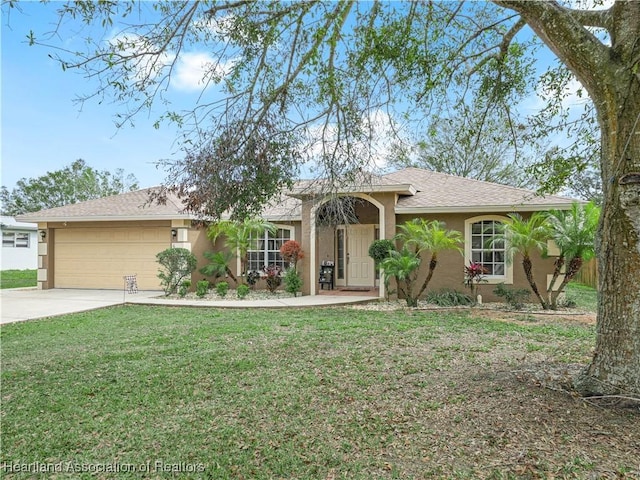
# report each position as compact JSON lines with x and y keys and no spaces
{"x":574,"y":233}
{"x":241,"y":236}
{"x":431,"y":236}
{"x":402,"y":265}
{"x":524,"y":237}
{"x":218,"y":265}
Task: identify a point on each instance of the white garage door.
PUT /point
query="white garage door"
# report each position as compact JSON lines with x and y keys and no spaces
{"x":100,"y":257}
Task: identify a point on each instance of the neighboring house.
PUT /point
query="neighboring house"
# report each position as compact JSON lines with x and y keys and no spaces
{"x":19,"y":245}
{"x":95,"y":243}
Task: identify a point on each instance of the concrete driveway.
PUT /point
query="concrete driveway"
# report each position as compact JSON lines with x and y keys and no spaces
{"x":18,"y":304}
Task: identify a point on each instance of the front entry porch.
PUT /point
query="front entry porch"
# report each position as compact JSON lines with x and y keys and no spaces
{"x":355,"y":292}
{"x":346,"y":248}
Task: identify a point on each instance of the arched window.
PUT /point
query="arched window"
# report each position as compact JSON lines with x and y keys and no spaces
{"x":479,"y":248}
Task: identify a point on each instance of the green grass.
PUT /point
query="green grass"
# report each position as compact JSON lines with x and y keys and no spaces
{"x":306,"y":393}
{"x":584,"y":296}
{"x":18,"y":278}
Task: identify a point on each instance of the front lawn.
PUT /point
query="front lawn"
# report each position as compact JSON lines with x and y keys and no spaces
{"x":18,"y":278}
{"x":584,"y":296}
{"x":306,"y":393}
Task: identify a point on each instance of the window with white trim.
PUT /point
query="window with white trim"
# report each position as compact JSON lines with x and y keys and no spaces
{"x":266,"y":249}
{"x":340,"y":247}
{"x":15,"y":239}
{"x":481,"y":248}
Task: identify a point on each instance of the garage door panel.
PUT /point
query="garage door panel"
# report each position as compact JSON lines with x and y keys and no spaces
{"x":100,"y":257}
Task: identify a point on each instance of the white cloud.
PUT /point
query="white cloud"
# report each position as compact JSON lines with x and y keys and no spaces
{"x":573,"y":94}
{"x":385,"y":135}
{"x":192,"y":71}
{"x":145,"y":64}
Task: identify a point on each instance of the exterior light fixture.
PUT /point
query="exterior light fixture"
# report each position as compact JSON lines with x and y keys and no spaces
{"x":174,"y":232}
{"x":43,"y":234}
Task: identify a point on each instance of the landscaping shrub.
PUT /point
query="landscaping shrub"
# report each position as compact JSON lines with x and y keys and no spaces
{"x":515,"y":298}
{"x":402,"y":265}
{"x":202,"y":287}
{"x":449,"y":298}
{"x":273,"y":277}
{"x":379,"y":250}
{"x":252,"y":278}
{"x":242,"y":291}
{"x":292,"y":281}
{"x":222,"y":288}
{"x":177,"y":264}
{"x":291,"y":252}
{"x":218,"y":265}
{"x":566,"y":302}
{"x":184,"y":288}
{"x":474,"y":274}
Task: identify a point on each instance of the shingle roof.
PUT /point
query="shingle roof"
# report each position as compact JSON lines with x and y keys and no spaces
{"x":11,"y":223}
{"x":284,"y":208}
{"x":430,"y":192}
{"x":439,"y":192}
{"x":126,"y":206}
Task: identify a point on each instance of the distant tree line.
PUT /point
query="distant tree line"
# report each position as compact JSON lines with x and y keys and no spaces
{"x":74,"y":183}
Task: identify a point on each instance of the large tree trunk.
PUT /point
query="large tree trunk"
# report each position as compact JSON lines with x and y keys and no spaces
{"x":610,"y":75}
{"x":616,"y":363}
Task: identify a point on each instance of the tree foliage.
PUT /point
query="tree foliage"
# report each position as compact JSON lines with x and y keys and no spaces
{"x":74,"y":183}
{"x":474,"y":141}
{"x":323,"y":72}
{"x":574,"y":232}
{"x":237,"y":171}
{"x":402,"y":265}
{"x":240,"y":237}
{"x":311,"y":79}
{"x":525,"y":236}
{"x":429,"y":236}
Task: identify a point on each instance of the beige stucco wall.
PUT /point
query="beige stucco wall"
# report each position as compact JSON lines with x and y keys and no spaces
{"x":326,"y":244}
{"x":201,"y":243}
{"x":449,"y":272}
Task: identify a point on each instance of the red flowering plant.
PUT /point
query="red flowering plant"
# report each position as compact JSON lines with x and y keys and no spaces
{"x":291,"y":252}
{"x":474,"y":274}
{"x":273,"y":278}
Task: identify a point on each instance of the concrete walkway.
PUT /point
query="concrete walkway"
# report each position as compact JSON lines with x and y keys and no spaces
{"x":21,"y":304}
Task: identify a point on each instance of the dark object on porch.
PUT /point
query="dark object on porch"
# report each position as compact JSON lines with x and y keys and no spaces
{"x":326,"y":274}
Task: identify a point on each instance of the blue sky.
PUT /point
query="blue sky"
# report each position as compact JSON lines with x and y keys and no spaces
{"x":44,"y":130}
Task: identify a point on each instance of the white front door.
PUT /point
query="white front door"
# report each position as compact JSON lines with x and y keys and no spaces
{"x":360,"y":271}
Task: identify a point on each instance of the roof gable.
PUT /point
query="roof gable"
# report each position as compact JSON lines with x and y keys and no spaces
{"x":135,"y":205}
{"x":419,"y":191}
{"x":441,"y":192}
